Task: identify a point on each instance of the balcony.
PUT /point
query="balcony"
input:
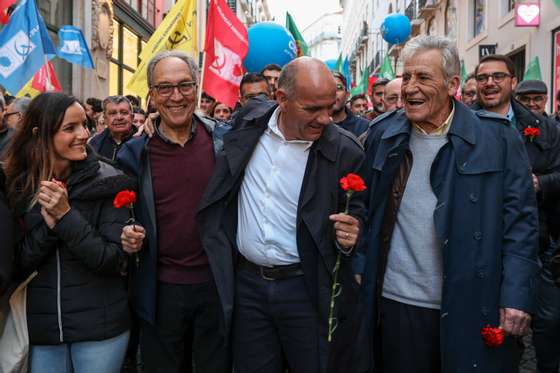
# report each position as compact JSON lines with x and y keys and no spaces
{"x":427,"y":8}
{"x":412,"y":11}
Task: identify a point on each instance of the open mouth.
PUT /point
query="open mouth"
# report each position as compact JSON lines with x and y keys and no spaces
{"x":415,"y":102}
{"x":177,"y":109}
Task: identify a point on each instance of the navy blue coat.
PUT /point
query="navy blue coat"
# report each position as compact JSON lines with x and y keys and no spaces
{"x":485,"y":220}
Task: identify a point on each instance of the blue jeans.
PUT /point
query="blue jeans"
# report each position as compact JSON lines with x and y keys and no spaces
{"x":81,"y":357}
{"x":546,"y":324}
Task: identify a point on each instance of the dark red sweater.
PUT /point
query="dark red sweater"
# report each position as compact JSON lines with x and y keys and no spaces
{"x":179,"y":178}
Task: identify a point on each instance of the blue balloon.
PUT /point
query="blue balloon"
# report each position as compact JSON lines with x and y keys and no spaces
{"x":395,"y":28}
{"x":331,"y":64}
{"x":269,"y":43}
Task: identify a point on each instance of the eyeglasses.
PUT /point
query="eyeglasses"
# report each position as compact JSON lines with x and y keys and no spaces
{"x":6,"y":115}
{"x":497,"y":77}
{"x":469,"y":93}
{"x":166,"y":90}
{"x":392,"y":99}
{"x":527,"y":99}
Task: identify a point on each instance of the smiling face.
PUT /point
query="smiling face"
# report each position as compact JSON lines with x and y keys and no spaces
{"x":69,"y":142}
{"x":177,"y":109}
{"x":305,"y":113}
{"x":425,"y":93}
{"x":118,"y":118}
{"x":495,"y":96}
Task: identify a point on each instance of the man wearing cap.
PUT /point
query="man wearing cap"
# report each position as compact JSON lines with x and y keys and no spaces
{"x":341,"y":115}
{"x":533,"y":94}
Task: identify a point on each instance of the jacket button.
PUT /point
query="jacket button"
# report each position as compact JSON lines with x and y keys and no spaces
{"x":480,"y":274}
{"x":477,"y":235}
{"x":473,"y":197}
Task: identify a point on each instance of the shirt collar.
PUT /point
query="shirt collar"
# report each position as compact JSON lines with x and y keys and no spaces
{"x":444,"y":128}
{"x":510,"y":114}
{"x":273,"y":129}
{"x":166,"y":140}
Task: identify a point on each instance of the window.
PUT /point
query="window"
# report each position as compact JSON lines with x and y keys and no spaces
{"x":451,"y":19}
{"x":478,"y":17}
{"x":124,"y":61}
{"x":511,"y":4}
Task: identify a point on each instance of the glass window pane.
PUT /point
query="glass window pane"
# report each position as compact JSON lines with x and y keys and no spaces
{"x":130,"y":48}
{"x":113,"y":79}
{"x":478,"y":16}
{"x":127,"y":75}
{"x":115,"y":39}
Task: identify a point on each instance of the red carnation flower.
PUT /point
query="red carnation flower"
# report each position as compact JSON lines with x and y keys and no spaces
{"x":124,"y":198}
{"x":352,"y":182}
{"x":493,"y":337}
{"x":531,"y":133}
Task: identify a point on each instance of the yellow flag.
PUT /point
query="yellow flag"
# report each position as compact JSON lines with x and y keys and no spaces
{"x":176,"y":31}
{"x":28,"y":90}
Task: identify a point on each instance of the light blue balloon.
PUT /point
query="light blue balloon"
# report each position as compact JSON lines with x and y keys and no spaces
{"x":395,"y":28}
{"x":269,"y":43}
{"x":331,"y":64}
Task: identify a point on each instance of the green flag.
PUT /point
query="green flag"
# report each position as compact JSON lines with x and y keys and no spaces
{"x":363,"y":86}
{"x":386,"y":70}
{"x":339,"y":63}
{"x":533,"y":71}
{"x":463,"y":73}
{"x":302,"y":49}
{"x":557,"y":2}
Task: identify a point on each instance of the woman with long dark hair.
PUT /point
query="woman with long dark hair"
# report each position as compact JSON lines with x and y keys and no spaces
{"x":77,"y":310}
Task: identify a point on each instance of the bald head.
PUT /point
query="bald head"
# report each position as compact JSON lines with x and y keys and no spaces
{"x":305,"y":73}
{"x":392,"y":97}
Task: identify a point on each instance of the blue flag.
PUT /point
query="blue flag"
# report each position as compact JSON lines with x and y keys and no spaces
{"x":346,"y":73}
{"x":25,"y":46}
{"x":73,"y":47}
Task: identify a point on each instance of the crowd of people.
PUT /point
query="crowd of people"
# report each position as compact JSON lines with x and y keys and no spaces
{"x":241,"y":250}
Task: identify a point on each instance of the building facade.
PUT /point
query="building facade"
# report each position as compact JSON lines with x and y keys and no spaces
{"x":251,"y":11}
{"x":324,"y":36}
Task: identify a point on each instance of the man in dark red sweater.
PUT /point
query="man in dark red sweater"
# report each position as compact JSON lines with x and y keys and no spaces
{"x":174,"y":289}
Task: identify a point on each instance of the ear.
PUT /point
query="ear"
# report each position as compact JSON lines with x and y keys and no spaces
{"x":453,"y":85}
{"x":513,"y":83}
{"x":281,"y":98}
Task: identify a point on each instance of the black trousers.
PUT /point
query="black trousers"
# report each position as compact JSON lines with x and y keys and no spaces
{"x":273,"y":319}
{"x":184,"y":312}
{"x":409,"y":338}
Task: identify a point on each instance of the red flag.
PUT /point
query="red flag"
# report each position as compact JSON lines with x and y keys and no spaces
{"x":45,"y":79}
{"x":4,"y":5}
{"x":226,"y":46}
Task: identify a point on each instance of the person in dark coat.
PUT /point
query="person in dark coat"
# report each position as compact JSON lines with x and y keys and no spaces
{"x":452,"y":236}
{"x":342,"y":116}
{"x":496,"y":82}
{"x":7,"y":232}
{"x":180,"y":289}
{"x":117,"y":112}
{"x":77,"y":307}
{"x":273,"y":204}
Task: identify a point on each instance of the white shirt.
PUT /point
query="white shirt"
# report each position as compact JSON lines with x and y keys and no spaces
{"x":269,"y":196}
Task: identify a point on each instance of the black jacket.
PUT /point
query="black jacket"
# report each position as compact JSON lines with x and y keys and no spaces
{"x":331,"y":157}
{"x":7,"y":234}
{"x":353,"y":123}
{"x":544,"y":157}
{"x":79,"y":293}
{"x":105,"y":146}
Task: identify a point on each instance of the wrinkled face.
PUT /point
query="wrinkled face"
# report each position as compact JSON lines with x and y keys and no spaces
{"x":205,"y":104}
{"x":175,"y":106}
{"x":138,"y":119}
{"x":468,"y":94}
{"x":12,"y":117}
{"x":271,"y":77}
{"x":392,"y":99}
{"x":69,"y":142}
{"x":250,"y":90}
{"x":426,"y":94}
{"x":118,"y":118}
{"x":341,"y":96}
{"x":494,"y":84}
{"x":308,"y":111}
{"x":536,"y":102}
{"x":359,"y":106}
{"x":222,"y":112}
{"x":376,"y":97}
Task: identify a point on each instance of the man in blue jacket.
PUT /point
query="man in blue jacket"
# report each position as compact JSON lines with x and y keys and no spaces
{"x":179,"y":288}
{"x":452,"y":236}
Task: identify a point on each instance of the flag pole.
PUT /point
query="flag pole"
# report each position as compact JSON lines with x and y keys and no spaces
{"x":201,"y":78}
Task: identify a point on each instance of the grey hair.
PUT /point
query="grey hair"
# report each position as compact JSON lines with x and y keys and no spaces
{"x":451,"y":65}
{"x":187,"y":58}
{"x":21,"y":104}
{"x":116,"y":100}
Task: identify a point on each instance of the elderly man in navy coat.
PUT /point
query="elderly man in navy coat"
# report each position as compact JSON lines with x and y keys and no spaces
{"x":452,"y":235}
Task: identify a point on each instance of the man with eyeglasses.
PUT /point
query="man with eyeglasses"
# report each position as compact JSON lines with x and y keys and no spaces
{"x":392,"y":97}
{"x":341,"y":115}
{"x":181,"y":290}
{"x":534,"y":95}
{"x":117,"y":115}
{"x":468,"y":92}
{"x":15,"y":112}
{"x":496,"y":81}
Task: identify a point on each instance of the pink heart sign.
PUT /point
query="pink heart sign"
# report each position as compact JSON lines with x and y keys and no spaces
{"x":527,"y":14}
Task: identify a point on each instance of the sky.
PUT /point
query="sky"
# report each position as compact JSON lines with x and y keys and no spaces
{"x":304,"y":12}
